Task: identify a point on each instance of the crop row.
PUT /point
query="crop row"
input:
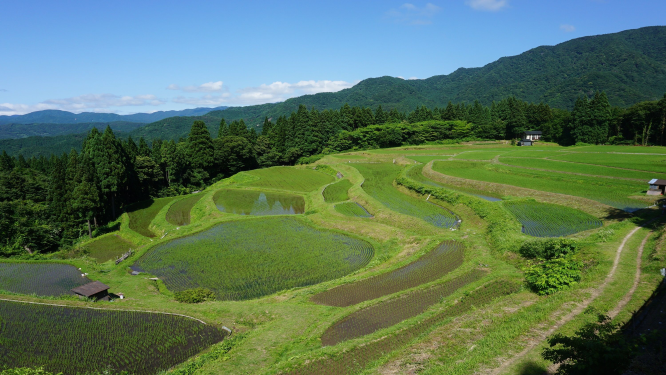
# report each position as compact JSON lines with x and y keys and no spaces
{"x":250,"y":202}
{"x":78,"y":340}
{"x":337,"y":192}
{"x":550,"y":220}
{"x":352,"y":209}
{"x":357,"y":358}
{"x":43,"y":279}
{"x":252,"y":258}
{"x":179,"y":212}
{"x":394,"y":311}
{"x":289,"y":178}
{"x":446,"y":257}
{"x":379,"y":184}
{"x":141,"y":214}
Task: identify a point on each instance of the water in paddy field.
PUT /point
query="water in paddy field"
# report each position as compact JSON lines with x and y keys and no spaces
{"x":43,"y":279}
{"x":248,"y":202}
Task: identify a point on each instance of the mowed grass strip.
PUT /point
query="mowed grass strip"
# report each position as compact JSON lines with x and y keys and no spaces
{"x":108,"y":248}
{"x":82,"y":341}
{"x":446,"y":257}
{"x":337,"y":192}
{"x":259,"y":203}
{"x":179,"y":212}
{"x":290,"y":178}
{"x":596,"y":170}
{"x":141,"y":214}
{"x":252,"y":258}
{"x":352,"y":209}
{"x":42,"y":279}
{"x":379,"y":185}
{"x":394,"y":311}
{"x":356,"y":359}
{"x":550,"y":220}
{"x":608,"y":191}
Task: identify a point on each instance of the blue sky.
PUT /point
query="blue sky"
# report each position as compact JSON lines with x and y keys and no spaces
{"x":146,"y":56}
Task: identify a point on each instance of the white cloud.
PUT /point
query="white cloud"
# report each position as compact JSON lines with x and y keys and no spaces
{"x":487,"y":5}
{"x":410,"y":14}
{"x":205,"y":87}
{"x":413,"y":78}
{"x":82,"y":103}
{"x":567,"y":28}
{"x":267,"y":93}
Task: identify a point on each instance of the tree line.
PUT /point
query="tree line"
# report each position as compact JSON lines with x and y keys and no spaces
{"x":49,"y":203}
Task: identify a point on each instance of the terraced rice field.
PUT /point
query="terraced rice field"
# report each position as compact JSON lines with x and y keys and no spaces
{"x":551,"y":220}
{"x":425,"y":159}
{"x":597,"y":170}
{"x":354,"y":360}
{"x":253,"y":258}
{"x":108,"y":248}
{"x":337,"y":192}
{"x":179,"y":212}
{"x":650,"y":163}
{"x":141,"y":214}
{"x":379,"y":185}
{"x":289,"y":178}
{"x":42,"y":279}
{"x":352,"y":209}
{"x":394,"y":311}
{"x":252,"y":202}
{"x":79,"y":340}
{"x":612,"y":192}
{"x":446,"y":257}
{"x":416,"y":173}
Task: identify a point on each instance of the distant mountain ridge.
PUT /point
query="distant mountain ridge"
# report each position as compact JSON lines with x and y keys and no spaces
{"x":53,"y":116}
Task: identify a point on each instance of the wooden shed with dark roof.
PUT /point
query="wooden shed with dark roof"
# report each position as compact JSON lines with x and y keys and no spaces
{"x":94,"y":290}
{"x":657,"y":187}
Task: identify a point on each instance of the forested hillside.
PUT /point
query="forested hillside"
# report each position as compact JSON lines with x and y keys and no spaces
{"x":14,"y":131}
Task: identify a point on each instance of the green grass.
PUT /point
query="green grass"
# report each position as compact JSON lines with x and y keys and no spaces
{"x":108,"y":248}
{"x":579,"y":168}
{"x":289,"y":178}
{"x":379,"y":185}
{"x":480,"y":155}
{"x":179,"y":212}
{"x":351,"y":157}
{"x":550,"y":220}
{"x":252,"y":202}
{"x":141,"y":214}
{"x":352,"y":209}
{"x":42,"y":279}
{"x":252,"y":258}
{"x":427,"y":158}
{"x":78,"y":340}
{"x":608,"y":191}
{"x":337,"y":192}
{"x":650,"y":163}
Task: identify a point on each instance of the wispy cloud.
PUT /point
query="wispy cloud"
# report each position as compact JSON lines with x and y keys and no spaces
{"x":567,"y":28}
{"x":410,"y":14}
{"x":205,"y":87}
{"x":82,"y":103}
{"x":266,"y":93}
{"x":487,"y":5}
{"x":3,"y":90}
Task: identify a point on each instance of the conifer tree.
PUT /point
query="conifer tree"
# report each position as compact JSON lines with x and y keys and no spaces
{"x":223,"y":130}
{"x":200,"y":146}
{"x":380,"y":116}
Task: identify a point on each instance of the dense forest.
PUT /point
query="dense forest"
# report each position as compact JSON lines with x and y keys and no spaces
{"x":48,"y":203}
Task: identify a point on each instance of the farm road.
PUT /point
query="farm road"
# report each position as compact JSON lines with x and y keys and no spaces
{"x":541,"y":336}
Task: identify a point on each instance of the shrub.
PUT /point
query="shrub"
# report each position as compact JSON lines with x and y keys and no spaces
{"x":550,"y":276}
{"x":196,"y":295}
{"x":309,"y":159}
{"x":548,"y":249}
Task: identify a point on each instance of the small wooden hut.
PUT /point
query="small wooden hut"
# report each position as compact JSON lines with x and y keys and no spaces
{"x":94,"y":290}
{"x":657,"y":187}
{"x":532,"y":135}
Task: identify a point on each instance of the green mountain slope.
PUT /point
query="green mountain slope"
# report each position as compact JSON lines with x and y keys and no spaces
{"x":12,"y":131}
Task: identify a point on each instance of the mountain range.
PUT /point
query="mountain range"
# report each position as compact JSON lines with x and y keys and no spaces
{"x":630,"y":66}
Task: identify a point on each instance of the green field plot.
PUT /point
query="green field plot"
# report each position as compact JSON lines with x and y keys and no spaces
{"x":532,"y":152}
{"x":81,"y":341}
{"x":352,"y":209}
{"x":350,"y":157}
{"x":42,"y":279}
{"x":394,"y":311}
{"x":428,"y":158}
{"x":356,"y":359}
{"x":251,"y":202}
{"x":621,"y":149}
{"x":337,"y":192}
{"x":253,"y":258}
{"x":597,"y":170}
{"x":612,"y":192}
{"x":108,"y":248}
{"x":142,"y":214}
{"x":550,"y":220}
{"x":416,"y":173}
{"x":179,"y":212}
{"x":480,"y":155}
{"x":650,"y":163}
{"x":445,"y":258}
{"x":290,"y":178}
{"x":379,"y":185}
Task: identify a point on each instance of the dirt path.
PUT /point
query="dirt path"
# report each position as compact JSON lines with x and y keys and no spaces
{"x":627,"y":297}
{"x":594,"y":293}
